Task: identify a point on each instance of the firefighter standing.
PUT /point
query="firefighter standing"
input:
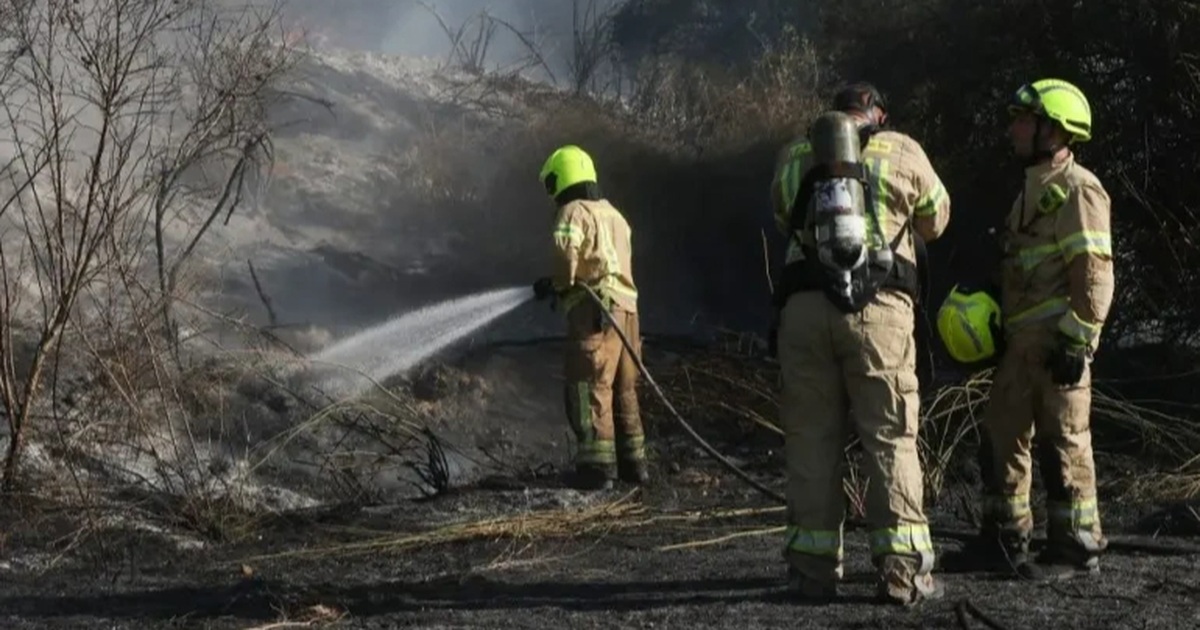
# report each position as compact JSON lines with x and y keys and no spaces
{"x":848,"y":351}
{"x":592,"y":245}
{"x":1057,"y":288}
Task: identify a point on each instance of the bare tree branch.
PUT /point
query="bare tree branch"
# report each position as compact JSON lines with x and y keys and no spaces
{"x":127,"y":115}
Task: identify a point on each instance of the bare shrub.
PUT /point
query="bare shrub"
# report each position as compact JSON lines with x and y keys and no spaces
{"x":471,"y":43}
{"x":950,"y":421}
{"x":591,"y":48}
{"x":136,"y":124}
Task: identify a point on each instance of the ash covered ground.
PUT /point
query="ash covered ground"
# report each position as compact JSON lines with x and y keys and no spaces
{"x":505,"y":544}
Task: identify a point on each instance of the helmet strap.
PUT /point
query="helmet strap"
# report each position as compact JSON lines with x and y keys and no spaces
{"x":1038,"y":152}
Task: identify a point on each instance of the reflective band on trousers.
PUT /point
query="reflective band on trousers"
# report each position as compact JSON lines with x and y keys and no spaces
{"x":902,"y":539}
{"x":633,"y":447}
{"x":597,"y":452}
{"x":591,"y":450}
{"x":1011,"y":508}
{"x":1077,"y":514}
{"x":1049,"y":308}
{"x":815,"y":542}
{"x":1077,"y":329}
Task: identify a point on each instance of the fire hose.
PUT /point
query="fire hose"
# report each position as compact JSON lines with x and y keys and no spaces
{"x":1115,"y":545}
{"x":687,"y":427}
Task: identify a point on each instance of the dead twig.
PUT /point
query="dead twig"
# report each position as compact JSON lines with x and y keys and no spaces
{"x":309,"y":617}
{"x":722,"y":539}
{"x":272,"y":318}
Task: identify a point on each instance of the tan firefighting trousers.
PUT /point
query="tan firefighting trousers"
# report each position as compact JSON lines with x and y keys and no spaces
{"x":601,"y":380}
{"x":1025,"y":400}
{"x":862,"y":366}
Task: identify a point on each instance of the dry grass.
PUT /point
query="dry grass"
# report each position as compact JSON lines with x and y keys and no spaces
{"x":595,"y":520}
{"x":313,"y":616}
{"x":732,"y":393}
{"x":949,"y":417}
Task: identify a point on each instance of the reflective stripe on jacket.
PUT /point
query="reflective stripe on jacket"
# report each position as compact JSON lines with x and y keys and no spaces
{"x":905,"y":183}
{"x":593,"y":246}
{"x":1057,"y":265}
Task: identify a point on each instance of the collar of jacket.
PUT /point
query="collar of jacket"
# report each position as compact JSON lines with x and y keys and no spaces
{"x":1062,"y":161}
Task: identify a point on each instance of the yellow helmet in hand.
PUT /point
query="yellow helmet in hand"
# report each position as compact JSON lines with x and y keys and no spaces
{"x":970,"y":324}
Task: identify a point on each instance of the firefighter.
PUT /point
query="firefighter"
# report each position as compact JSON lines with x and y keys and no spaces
{"x":1057,"y":288}
{"x":846,"y":343}
{"x":592,"y":247}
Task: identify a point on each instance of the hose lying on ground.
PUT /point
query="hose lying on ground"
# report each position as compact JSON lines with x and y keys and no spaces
{"x":965,"y":608}
{"x":708,"y":448}
{"x":1127,"y":546}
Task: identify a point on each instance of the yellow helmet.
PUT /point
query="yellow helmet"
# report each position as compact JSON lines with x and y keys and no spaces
{"x":567,"y":166}
{"x":969,"y":323}
{"x":1057,"y":100}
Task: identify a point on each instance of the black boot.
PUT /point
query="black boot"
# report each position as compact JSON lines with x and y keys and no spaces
{"x":589,"y":477}
{"x":634,"y":471}
{"x":805,"y":590}
{"x":1060,"y":562}
{"x":987,"y":552}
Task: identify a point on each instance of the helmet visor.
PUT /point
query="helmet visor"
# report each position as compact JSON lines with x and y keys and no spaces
{"x":1026,"y":99}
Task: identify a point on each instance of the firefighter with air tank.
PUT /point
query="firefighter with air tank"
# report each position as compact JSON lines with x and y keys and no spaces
{"x":855,"y":201}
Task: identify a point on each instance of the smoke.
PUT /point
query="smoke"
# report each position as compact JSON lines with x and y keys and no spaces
{"x":419,"y":28}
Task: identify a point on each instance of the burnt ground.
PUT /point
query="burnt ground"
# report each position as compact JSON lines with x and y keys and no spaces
{"x":347,"y":567}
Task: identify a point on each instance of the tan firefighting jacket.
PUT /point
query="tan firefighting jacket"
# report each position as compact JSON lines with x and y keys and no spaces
{"x":906,"y":188}
{"x":593,"y":246}
{"x":1057,"y":267}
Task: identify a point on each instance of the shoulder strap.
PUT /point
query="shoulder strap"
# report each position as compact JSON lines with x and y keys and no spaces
{"x":825,"y":171}
{"x":817,"y":173}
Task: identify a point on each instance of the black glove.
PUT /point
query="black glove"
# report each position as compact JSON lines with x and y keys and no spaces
{"x":1067,"y":361}
{"x":773,"y":336}
{"x":998,"y":341}
{"x":543,"y":288}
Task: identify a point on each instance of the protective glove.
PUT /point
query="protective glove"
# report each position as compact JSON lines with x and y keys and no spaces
{"x":543,"y":288}
{"x":773,"y":336}
{"x":1067,"y":361}
{"x":998,"y":340}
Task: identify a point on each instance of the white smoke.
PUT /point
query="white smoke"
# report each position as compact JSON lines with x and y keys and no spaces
{"x":418,"y":27}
